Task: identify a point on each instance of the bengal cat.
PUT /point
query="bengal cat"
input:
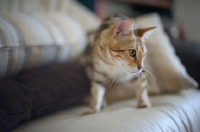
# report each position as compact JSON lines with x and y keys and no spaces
{"x":117,"y":51}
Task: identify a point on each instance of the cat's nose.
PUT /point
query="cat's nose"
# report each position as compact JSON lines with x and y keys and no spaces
{"x":139,"y":67}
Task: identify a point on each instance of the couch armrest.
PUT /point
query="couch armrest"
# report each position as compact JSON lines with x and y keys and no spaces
{"x":189,"y":54}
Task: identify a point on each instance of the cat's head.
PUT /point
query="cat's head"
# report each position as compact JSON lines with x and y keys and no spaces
{"x":126,"y":45}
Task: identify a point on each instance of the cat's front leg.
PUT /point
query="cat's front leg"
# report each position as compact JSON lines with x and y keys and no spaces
{"x":142,"y":93}
{"x":97,"y":93}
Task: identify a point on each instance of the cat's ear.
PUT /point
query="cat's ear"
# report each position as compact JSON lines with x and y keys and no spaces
{"x":123,"y":28}
{"x":145,"y":33}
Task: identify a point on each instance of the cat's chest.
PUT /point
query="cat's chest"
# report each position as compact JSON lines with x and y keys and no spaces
{"x":114,"y":74}
{"x":128,"y":77}
{"x":121,"y":77}
{"x":121,"y":81}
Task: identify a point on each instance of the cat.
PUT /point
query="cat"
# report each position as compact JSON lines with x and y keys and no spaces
{"x":117,"y":51}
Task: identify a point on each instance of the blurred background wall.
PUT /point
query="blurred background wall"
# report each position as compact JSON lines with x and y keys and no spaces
{"x":181,"y":18}
{"x":188,"y":12}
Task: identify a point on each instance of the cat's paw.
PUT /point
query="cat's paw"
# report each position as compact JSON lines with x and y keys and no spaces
{"x":144,"y":105}
{"x":90,"y":111}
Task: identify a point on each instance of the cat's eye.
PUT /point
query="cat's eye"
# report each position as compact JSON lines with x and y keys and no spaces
{"x":132,"y":52}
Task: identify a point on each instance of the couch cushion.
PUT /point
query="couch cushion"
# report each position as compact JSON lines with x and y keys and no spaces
{"x":34,"y":94}
{"x":30,"y":40}
{"x":170,"y":113}
{"x":170,"y":74}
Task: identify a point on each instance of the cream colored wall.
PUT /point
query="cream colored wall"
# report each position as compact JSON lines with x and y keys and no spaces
{"x":113,"y":7}
{"x":188,"y":12}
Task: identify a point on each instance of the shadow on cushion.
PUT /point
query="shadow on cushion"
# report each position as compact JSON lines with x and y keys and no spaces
{"x":40,"y":92}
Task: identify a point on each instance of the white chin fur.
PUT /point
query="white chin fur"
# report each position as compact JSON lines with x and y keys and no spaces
{"x":127,"y":69}
{"x":132,"y":70}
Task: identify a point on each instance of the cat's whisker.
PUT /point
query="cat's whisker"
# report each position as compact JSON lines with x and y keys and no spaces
{"x":146,"y":81}
{"x":154,"y":78}
{"x":150,"y":73}
{"x":148,"y":66}
{"x":118,"y":80}
{"x":109,"y":86}
{"x":114,"y":82}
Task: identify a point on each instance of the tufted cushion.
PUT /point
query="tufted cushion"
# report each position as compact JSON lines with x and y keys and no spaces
{"x":72,"y":8}
{"x":30,"y":40}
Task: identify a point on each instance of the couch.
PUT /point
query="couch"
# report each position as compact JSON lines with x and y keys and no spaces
{"x":49,"y":88}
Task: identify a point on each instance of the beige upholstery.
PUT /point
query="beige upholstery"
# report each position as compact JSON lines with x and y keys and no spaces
{"x":170,"y":113}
